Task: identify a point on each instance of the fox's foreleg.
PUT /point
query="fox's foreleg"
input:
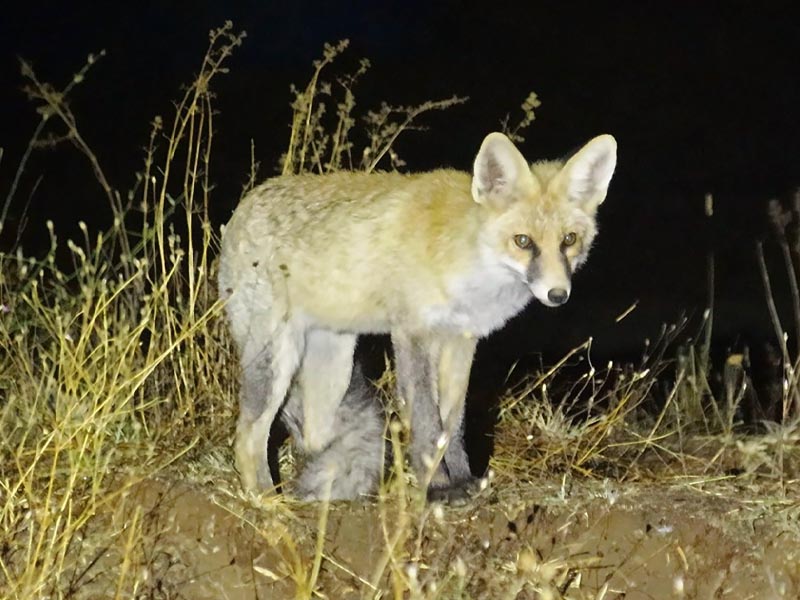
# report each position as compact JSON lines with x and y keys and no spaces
{"x":455,"y":362}
{"x":432,"y":379}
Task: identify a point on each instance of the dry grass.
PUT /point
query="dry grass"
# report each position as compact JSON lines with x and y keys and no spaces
{"x":117,"y":387}
{"x":111,"y":368}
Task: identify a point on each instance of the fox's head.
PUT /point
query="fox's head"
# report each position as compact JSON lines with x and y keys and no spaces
{"x":540,"y":219}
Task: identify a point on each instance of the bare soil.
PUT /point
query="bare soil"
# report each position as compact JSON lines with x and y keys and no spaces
{"x":549,"y":538}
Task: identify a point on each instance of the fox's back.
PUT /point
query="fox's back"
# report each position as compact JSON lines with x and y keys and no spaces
{"x":366,"y":240}
{"x":336,"y":202}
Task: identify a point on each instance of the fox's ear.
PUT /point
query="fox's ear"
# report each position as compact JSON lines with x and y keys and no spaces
{"x":587,"y":174}
{"x":499,"y":169}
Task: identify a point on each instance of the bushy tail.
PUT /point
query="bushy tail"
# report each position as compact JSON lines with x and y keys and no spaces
{"x":351,"y":465}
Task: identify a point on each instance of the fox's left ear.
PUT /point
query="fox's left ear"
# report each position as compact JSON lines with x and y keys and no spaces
{"x":587,"y":174}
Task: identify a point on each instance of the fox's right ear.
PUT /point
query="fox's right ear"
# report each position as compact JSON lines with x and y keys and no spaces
{"x":498,"y":171}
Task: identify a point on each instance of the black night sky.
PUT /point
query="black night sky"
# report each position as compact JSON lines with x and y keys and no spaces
{"x":702,"y":97}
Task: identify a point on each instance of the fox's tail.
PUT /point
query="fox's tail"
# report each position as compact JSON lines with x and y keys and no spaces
{"x":352,"y":463}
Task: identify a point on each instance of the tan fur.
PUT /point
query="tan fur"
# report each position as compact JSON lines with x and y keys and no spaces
{"x":433,"y":258}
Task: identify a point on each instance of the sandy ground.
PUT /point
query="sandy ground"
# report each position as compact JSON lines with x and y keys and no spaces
{"x":536,"y":539}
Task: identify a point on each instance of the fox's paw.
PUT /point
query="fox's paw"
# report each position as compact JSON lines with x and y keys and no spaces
{"x":457,"y":493}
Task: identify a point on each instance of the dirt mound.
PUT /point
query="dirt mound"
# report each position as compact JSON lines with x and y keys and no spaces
{"x":532,"y":540}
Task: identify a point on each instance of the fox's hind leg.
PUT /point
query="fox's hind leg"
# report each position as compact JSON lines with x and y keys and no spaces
{"x":333,"y":420}
{"x":357,"y":455}
{"x":322,"y":382}
{"x":268,"y":363}
{"x":348,"y":450}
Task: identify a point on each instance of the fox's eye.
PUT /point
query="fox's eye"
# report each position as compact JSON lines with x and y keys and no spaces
{"x":570,"y":238}
{"x":523,"y":241}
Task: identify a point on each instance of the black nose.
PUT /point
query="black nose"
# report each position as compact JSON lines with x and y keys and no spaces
{"x":558,"y":295}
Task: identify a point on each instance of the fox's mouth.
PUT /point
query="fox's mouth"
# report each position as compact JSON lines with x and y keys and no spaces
{"x":550,"y":304}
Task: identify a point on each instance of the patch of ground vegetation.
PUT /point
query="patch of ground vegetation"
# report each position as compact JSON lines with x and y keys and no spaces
{"x":117,"y":410}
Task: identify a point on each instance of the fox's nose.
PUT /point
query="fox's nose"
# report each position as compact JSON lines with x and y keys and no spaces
{"x":558,"y":295}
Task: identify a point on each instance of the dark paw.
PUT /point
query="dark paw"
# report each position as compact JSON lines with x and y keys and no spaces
{"x":458,"y":493}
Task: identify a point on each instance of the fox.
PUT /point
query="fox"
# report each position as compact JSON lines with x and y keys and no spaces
{"x":437,"y":260}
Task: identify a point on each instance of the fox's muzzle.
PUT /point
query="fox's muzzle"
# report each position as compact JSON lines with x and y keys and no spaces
{"x":549,"y":278}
